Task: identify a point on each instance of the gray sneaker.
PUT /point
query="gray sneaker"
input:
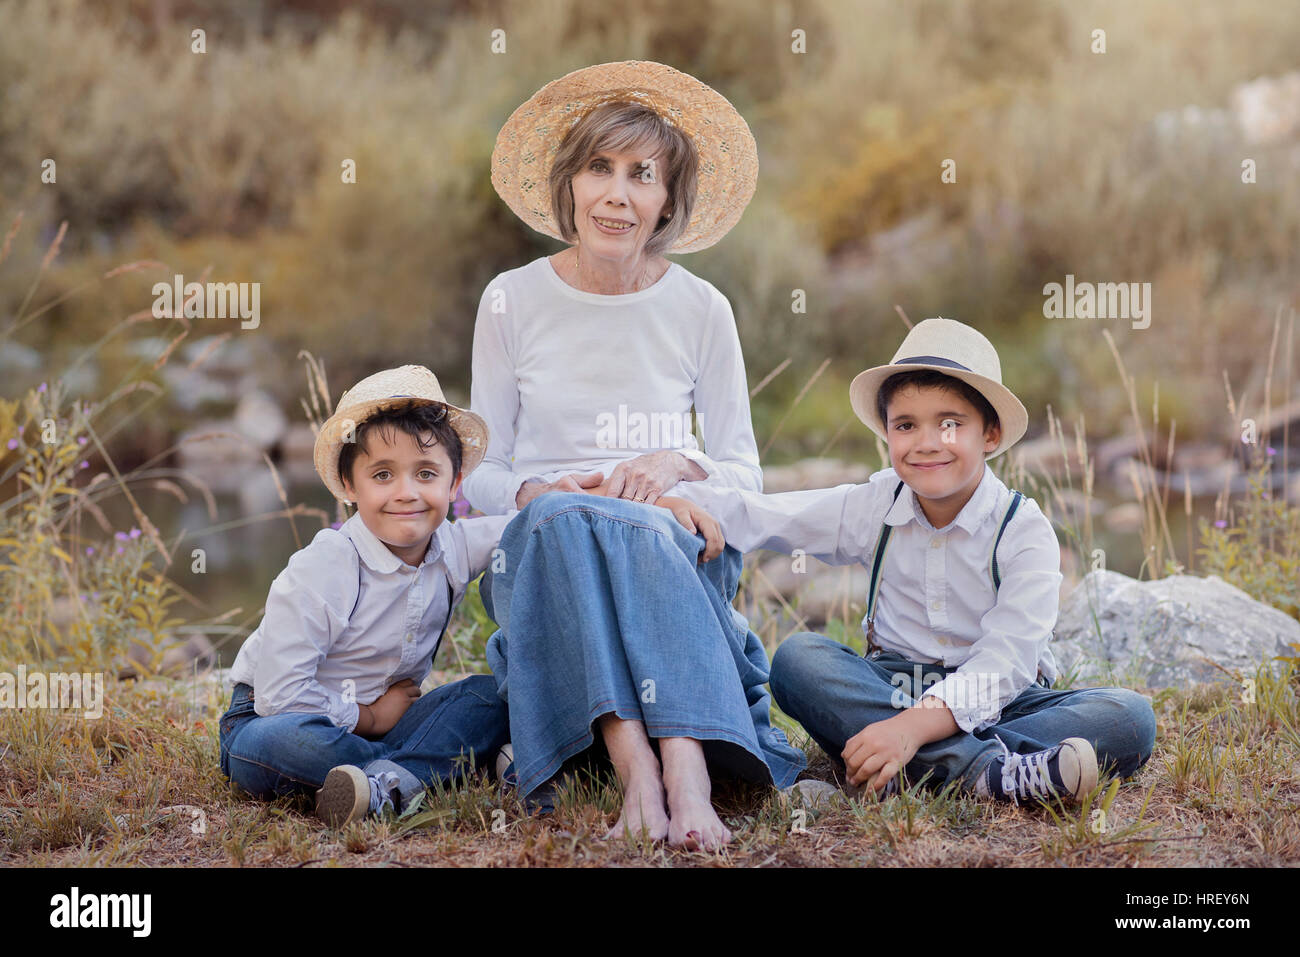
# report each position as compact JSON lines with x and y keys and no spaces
{"x":349,"y":794}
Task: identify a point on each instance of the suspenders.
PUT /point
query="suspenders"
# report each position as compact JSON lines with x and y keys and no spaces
{"x":445,"y":625}
{"x":993,"y":562}
{"x":878,"y":563}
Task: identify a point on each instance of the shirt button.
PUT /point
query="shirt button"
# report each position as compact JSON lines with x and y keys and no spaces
{"x":936,"y":605}
{"x":409,"y":636}
{"x":936,"y":543}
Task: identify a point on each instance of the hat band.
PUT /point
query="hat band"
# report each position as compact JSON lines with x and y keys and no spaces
{"x":931,"y":361}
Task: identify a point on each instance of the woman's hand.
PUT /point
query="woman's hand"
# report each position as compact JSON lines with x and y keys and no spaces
{"x":570,"y":483}
{"x":698,"y":522}
{"x":646,"y":477}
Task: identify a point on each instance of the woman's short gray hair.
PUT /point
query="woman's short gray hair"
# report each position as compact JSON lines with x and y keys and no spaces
{"x":618,"y":126}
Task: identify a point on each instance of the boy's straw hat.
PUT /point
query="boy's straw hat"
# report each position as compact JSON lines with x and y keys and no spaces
{"x":391,"y":389}
{"x":728,"y":168}
{"x":954,"y":349}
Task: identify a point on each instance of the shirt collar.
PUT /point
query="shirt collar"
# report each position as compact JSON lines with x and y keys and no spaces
{"x":972,"y":515}
{"x":378,"y":556}
{"x":976,"y":512}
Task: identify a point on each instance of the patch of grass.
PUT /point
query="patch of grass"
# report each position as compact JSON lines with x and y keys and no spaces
{"x":1221,"y":789}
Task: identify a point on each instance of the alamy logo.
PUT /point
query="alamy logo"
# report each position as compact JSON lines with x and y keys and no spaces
{"x":67,"y":691}
{"x":976,"y":690}
{"x":1105,"y":300}
{"x":639,"y":430}
{"x":213,"y":300}
{"x":102,"y":910}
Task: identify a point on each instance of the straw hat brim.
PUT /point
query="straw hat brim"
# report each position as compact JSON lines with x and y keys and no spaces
{"x":1012,"y":415}
{"x":728,"y":156}
{"x":469,"y":426}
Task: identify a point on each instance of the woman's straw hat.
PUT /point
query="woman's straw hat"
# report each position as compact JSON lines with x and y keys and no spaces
{"x":954,"y":349}
{"x":728,"y":168}
{"x":391,"y":389}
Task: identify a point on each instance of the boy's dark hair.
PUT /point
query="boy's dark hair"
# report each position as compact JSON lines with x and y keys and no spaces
{"x":929,"y":378}
{"x":416,"y":421}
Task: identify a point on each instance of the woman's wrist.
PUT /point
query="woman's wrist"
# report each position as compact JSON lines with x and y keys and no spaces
{"x":689,"y":470}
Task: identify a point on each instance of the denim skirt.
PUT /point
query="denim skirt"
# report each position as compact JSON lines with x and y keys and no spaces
{"x":603,"y":608}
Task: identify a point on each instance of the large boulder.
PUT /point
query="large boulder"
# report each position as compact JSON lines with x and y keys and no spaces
{"x":1168,"y":633}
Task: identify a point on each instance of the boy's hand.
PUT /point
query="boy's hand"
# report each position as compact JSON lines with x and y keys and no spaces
{"x":879,"y":751}
{"x":876,"y":754}
{"x":698,"y":522}
{"x":387,"y":709}
{"x":573,"y":482}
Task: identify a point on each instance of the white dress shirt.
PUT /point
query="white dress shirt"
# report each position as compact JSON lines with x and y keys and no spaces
{"x":570,"y":381}
{"x":347,"y":618}
{"x":936,"y":601}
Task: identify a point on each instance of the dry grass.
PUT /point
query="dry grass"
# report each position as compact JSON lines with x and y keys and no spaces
{"x":140,"y":787}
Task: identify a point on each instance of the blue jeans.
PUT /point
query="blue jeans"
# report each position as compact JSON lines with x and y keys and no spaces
{"x":442,"y":734}
{"x":603,"y":609}
{"x":834,"y":693}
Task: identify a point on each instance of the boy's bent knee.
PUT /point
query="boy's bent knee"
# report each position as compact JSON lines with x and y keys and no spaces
{"x":483,"y":686}
{"x":1143,"y":716}
{"x":798,"y":662}
{"x":1133,"y":730}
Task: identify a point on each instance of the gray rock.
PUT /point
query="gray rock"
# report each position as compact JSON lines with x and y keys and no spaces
{"x":190,"y":388}
{"x":186,"y":655}
{"x":214,"y":445}
{"x":15,"y":357}
{"x":813,"y":473}
{"x":259,"y":418}
{"x":1168,"y":633}
{"x":817,"y":593}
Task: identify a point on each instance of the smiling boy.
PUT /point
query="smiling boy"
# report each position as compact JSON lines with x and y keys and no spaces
{"x":327,"y":689}
{"x":963,"y":596}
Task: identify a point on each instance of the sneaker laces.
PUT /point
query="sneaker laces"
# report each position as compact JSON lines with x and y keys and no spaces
{"x":383,"y":787}
{"x":1025,"y":775}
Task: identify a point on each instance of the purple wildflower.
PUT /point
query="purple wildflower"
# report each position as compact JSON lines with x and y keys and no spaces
{"x":90,"y":550}
{"x":135,"y":533}
{"x":1272,"y":451}
{"x":118,"y":550}
{"x":12,"y":443}
{"x":1220,"y":524}
{"x":43,"y":387}
{"x":82,"y":440}
{"x":335,"y":524}
{"x":120,"y":536}
{"x":85,"y":464}
{"x":461,"y":507}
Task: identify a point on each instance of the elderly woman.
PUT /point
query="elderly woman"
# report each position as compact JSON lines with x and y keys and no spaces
{"x":587,"y":366}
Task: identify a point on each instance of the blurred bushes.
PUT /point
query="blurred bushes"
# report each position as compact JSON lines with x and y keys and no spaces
{"x":232,"y":160}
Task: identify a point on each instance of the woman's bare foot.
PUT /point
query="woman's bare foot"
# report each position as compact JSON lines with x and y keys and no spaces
{"x":692,"y":824}
{"x":644,"y":814}
{"x":637,"y":767}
